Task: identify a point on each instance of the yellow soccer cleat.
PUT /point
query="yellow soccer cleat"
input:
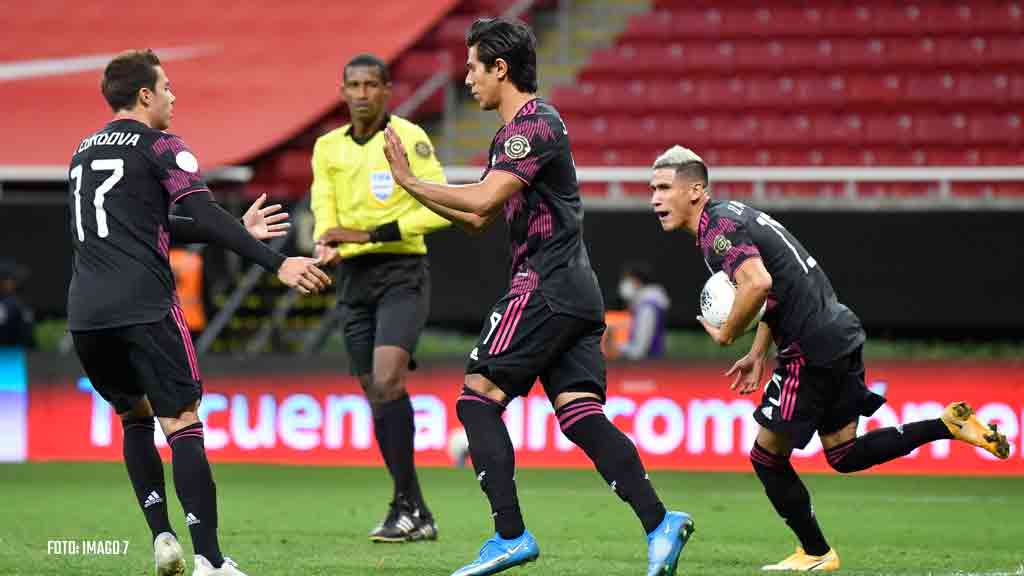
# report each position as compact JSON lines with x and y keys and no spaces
{"x":964,"y":425}
{"x":801,"y":561}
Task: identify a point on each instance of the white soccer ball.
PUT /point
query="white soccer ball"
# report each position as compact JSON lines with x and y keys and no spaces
{"x":716,"y":301}
{"x":458,"y":447}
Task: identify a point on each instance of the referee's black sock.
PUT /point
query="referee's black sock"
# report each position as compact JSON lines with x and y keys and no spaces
{"x":146,"y":472}
{"x":193,"y":481}
{"x":395,"y":429}
{"x":583,"y":421}
{"x":493,"y":459}
{"x":885,"y":444}
{"x":790,"y":498}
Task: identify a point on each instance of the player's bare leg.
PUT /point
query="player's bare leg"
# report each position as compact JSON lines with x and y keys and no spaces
{"x":963,"y":425}
{"x":146,"y":472}
{"x":197,"y":492}
{"x":479,"y":408}
{"x":408,"y":517}
{"x":581,"y":417}
{"x":792,"y":501}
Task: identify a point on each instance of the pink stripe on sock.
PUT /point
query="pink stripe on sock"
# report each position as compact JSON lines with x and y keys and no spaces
{"x":568,"y":413}
{"x":190,"y":434}
{"x":760,"y":459}
{"x":581,"y":415}
{"x":515,"y":322}
{"x":470,"y":398}
{"x":836,"y":454}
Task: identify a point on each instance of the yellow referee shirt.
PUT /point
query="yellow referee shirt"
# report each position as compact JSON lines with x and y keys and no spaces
{"x":353,"y":188}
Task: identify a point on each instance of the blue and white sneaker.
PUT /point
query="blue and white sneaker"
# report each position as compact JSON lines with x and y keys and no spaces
{"x":665,"y":543}
{"x":498,"y":555}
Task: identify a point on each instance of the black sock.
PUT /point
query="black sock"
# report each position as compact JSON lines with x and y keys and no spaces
{"x":146,"y":473}
{"x":395,"y":429}
{"x":885,"y":444}
{"x":790,"y":498}
{"x":583,"y":421}
{"x":493,"y":459}
{"x":193,"y":481}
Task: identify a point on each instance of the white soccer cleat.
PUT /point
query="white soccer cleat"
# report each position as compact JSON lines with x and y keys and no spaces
{"x":167,"y":554}
{"x":204,"y":568}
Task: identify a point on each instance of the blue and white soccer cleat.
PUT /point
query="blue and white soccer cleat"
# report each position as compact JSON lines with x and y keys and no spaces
{"x":498,"y":555}
{"x":665,"y":543}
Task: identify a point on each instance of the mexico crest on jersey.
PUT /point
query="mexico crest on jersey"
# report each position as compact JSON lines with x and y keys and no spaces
{"x":722,"y":244}
{"x":517,"y":147}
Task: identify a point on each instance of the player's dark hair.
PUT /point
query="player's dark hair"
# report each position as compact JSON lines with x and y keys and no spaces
{"x":693,"y":170}
{"x":371,"y":61}
{"x":513,"y":42}
{"x":640,"y":270}
{"x":126,"y":74}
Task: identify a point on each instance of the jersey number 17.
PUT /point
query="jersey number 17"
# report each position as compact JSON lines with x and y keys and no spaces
{"x":116,"y":167}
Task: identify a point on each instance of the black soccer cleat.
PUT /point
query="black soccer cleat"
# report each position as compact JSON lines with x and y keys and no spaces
{"x":405,"y":523}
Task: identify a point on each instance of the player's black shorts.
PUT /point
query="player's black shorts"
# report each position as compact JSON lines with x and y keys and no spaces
{"x":385,"y":301}
{"x":523,"y":339}
{"x":802,"y":399}
{"x":155,"y":360}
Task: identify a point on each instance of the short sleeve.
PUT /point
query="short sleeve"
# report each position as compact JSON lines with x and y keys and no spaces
{"x":177,"y":167}
{"x":526,"y":144}
{"x":726,"y":245}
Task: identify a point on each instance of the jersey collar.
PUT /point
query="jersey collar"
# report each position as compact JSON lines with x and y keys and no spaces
{"x":363,"y":141}
{"x":704,"y":217}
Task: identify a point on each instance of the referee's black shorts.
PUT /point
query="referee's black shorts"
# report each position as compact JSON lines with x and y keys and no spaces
{"x":385,"y":300}
{"x":155,"y":360}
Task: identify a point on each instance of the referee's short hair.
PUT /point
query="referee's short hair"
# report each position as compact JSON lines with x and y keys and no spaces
{"x":510,"y":40}
{"x":125,"y":75}
{"x":686,"y":163}
{"x":367,"y":59}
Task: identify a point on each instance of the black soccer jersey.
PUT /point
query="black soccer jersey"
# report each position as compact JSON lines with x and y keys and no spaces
{"x":545,"y":219}
{"x":802,"y":308}
{"x":122,"y":183}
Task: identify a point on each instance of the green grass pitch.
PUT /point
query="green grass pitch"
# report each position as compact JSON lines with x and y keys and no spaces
{"x":310,"y":521}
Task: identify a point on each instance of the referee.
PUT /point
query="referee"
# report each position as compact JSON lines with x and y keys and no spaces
{"x":369,"y":224}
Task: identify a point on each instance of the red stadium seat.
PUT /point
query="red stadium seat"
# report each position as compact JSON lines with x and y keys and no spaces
{"x":988,"y":88}
{"x":791,"y":129}
{"x":876,"y":89}
{"x":844,"y":129}
{"x":1004,"y":129}
{"x":890,"y":129}
{"x":823,"y":89}
{"x":1007,"y":50}
{"x":937,"y":88}
{"x":942,"y":128}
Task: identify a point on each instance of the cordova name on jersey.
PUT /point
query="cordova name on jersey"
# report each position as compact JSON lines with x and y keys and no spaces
{"x":109,"y":139}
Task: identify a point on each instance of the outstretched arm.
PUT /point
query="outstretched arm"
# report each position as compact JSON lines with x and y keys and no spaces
{"x":471,"y":206}
{"x":212,"y":222}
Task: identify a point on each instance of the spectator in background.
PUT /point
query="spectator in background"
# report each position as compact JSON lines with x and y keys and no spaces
{"x":15,"y":317}
{"x":648,"y":304}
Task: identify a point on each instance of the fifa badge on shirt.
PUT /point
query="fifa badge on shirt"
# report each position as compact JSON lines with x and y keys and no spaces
{"x":722,"y":244}
{"x":381,"y":185}
{"x":422,"y":149}
{"x":517,"y":147}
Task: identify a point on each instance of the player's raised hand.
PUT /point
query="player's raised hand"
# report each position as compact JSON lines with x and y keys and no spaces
{"x":268,"y":222}
{"x":394,"y":151}
{"x":303,"y":274}
{"x":748,"y":371}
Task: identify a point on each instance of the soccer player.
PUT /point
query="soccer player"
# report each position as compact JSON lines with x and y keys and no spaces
{"x":550,"y":322}
{"x":127,"y":327}
{"x":376,"y":230}
{"x":818,"y":383}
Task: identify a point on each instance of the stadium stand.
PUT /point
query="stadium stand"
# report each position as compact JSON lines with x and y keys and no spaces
{"x":873,"y":83}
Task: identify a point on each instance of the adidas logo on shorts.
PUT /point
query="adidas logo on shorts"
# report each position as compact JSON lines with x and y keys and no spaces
{"x":191,"y":520}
